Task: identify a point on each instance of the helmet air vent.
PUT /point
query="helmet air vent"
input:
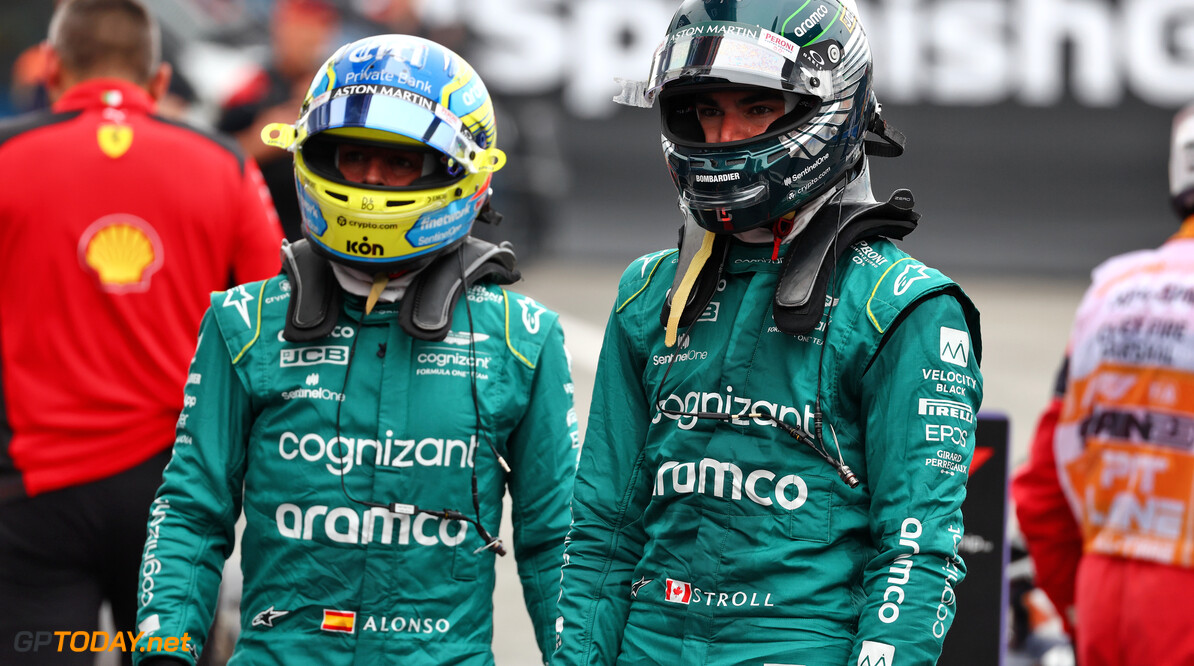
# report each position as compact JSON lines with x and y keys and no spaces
{"x":336,"y":195}
{"x":390,"y":203}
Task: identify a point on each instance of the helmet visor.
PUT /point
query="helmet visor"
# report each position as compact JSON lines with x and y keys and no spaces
{"x":399,"y":111}
{"x":738,"y":53}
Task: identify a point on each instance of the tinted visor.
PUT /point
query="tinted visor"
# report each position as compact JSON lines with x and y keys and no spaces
{"x":321,"y":156}
{"x":740,"y":53}
{"x":397,"y":111}
{"x":683,"y":107}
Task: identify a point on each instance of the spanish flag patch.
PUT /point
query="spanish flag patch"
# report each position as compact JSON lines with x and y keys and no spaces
{"x":337,"y":620}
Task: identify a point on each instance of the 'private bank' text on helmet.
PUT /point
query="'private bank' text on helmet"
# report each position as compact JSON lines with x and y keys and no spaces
{"x":812,"y":54}
{"x":384,"y":94}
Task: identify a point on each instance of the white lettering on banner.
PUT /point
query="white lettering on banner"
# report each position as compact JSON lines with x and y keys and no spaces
{"x":479,"y":294}
{"x":950,"y":376}
{"x":982,"y":52}
{"x":936,"y":407}
{"x":811,"y":22}
{"x":948,"y":462}
{"x":717,"y":177}
{"x":901,"y":571}
{"x":716,"y":402}
{"x":790,"y":492}
{"x":150,"y":564}
{"x":343,"y":453}
{"x":440,"y":359}
{"x":412,"y":625}
{"x":952,"y":574}
{"x":736,"y":599}
{"x":935,"y":432}
{"x":349,"y":525}
{"x":301,"y":356}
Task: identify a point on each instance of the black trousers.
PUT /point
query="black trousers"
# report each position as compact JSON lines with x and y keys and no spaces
{"x":65,"y":552}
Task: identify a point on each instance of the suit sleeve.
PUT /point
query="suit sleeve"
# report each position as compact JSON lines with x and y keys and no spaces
{"x":919,"y":444}
{"x":192,"y":519}
{"x":607,"y":537}
{"x":543,"y":461}
{"x":259,"y":233}
{"x":1047,"y":522}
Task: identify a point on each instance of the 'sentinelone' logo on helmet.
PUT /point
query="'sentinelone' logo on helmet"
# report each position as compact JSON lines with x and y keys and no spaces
{"x":122,"y":251}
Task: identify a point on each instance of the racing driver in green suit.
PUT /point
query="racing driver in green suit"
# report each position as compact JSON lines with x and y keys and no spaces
{"x":784,"y":412}
{"x":369,"y":408}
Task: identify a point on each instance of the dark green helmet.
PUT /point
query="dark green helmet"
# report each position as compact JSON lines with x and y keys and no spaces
{"x":814,"y":53}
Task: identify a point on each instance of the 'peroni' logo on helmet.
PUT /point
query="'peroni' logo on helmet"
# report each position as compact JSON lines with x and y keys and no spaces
{"x":365,"y":248}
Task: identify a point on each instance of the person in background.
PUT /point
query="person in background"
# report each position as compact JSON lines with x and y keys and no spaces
{"x":115,"y":225}
{"x":784,"y":409}
{"x":1104,"y":500}
{"x":369,"y":409}
{"x":301,"y":37}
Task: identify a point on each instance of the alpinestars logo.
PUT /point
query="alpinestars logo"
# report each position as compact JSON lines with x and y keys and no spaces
{"x":638,"y":585}
{"x":955,"y":346}
{"x":266,"y":617}
{"x":876,"y":654}
{"x":531,"y":314}
{"x":239,"y":298}
{"x":906,"y":277}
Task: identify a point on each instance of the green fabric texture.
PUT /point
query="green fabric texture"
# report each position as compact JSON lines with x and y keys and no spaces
{"x":699,"y":541}
{"x":309,"y":434}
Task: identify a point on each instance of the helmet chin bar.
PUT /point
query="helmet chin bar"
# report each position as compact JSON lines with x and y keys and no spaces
{"x":741,"y":197}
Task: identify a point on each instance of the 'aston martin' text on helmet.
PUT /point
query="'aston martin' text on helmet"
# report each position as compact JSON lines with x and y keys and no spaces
{"x":813,"y":53}
{"x":403,"y":92}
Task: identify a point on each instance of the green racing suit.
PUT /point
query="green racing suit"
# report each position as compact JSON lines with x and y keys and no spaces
{"x":302,"y":435}
{"x":704,"y":541}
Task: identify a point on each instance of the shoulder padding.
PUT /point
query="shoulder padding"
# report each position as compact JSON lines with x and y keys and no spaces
{"x":238,"y":312}
{"x":804,"y":281}
{"x":638,"y":275}
{"x":427,"y":307}
{"x":898,"y":286}
{"x":315,"y":297}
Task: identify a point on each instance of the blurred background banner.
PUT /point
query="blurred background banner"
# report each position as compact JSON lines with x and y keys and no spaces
{"x":1037,"y":146}
{"x":1037,"y":129}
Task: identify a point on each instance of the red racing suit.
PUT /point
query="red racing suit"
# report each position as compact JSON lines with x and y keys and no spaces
{"x":115,"y":225}
{"x":1105,"y":501}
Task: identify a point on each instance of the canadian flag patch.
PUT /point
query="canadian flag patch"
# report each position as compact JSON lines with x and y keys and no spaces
{"x":678,"y":592}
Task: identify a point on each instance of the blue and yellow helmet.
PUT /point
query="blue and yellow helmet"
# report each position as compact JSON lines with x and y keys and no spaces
{"x":393,"y":91}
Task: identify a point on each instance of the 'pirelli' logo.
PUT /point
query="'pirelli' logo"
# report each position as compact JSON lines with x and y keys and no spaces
{"x":956,"y":410}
